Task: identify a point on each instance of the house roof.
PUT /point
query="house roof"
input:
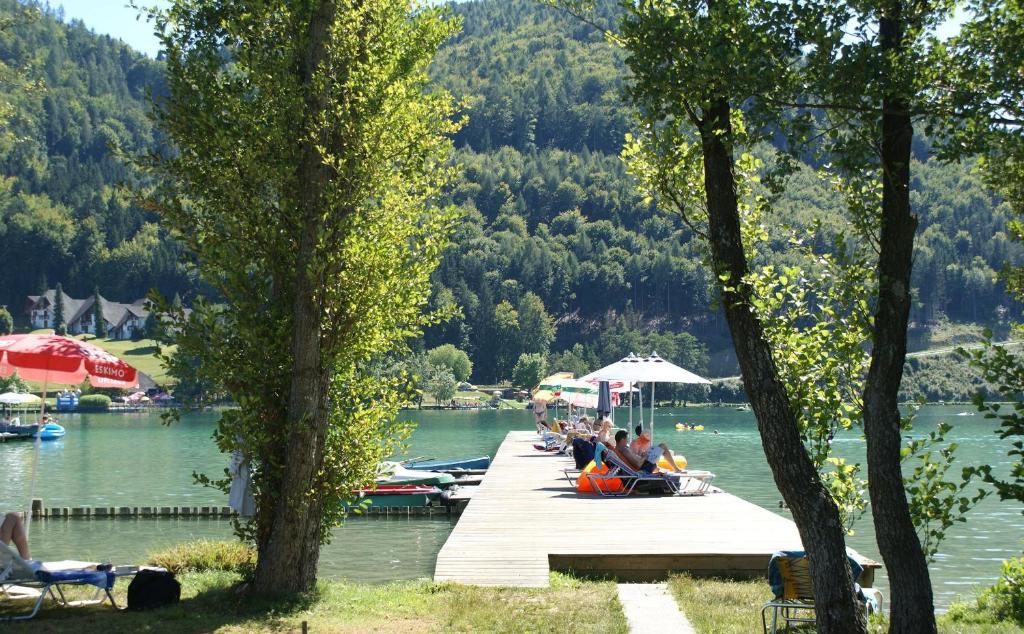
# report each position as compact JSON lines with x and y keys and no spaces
{"x":73,"y":308}
{"x":114,"y":313}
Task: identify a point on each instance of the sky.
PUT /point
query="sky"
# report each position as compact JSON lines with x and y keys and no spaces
{"x":115,"y":18}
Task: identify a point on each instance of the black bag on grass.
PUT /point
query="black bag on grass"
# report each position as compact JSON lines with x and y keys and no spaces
{"x":153,"y":589}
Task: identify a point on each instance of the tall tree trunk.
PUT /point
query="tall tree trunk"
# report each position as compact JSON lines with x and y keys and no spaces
{"x":816,"y":515}
{"x":911,"y":591}
{"x":288,"y":560}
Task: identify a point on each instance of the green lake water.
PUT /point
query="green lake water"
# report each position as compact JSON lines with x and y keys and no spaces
{"x":134,"y":460}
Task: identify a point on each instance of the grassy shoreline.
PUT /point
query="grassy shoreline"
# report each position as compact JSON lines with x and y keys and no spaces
{"x":212,"y":602}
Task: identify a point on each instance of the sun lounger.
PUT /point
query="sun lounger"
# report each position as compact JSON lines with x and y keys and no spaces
{"x":681,"y":483}
{"x":21,"y":579}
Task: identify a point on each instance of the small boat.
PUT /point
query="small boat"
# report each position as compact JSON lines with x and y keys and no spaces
{"x":390,"y":495}
{"x":742,"y":408}
{"x":458,"y":464}
{"x":966,"y":414}
{"x":50,"y":431}
{"x":14,"y":430}
{"x":394,"y":473}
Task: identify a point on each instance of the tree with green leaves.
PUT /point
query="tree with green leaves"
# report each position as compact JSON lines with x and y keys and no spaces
{"x":6,"y":321}
{"x":97,"y":314}
{"x":13,"y":383}
{"x":866,"y":89}
{"x":536,"y":328}
{"x":440,"y":383}
{"x":982,"y":66}
{"x":59,"y":324}
{"x":457,"y":361}
{"x":530,"y":368}
{"x":308,"y":158}
{"x":694,"y":65}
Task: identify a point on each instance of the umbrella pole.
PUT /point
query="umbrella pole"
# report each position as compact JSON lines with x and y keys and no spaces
{"x":630,"y":387}
{"x":640,"y":398}
{"x":652,"y":411}
{"x":35,"y":462}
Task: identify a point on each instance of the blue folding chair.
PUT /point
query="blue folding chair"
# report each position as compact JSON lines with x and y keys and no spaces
{"x":20,"y":579}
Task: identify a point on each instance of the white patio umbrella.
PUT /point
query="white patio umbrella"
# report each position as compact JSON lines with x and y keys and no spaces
{"x":652,"y":369}
{"x":18,"y":398}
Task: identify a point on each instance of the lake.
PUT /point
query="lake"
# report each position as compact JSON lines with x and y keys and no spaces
{"x":134,"y":460}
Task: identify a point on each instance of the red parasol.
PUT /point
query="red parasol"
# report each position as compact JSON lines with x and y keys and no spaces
{"x":56,"y":359}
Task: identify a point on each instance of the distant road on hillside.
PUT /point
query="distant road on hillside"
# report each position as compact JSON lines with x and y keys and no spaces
{"x":920,"y":354}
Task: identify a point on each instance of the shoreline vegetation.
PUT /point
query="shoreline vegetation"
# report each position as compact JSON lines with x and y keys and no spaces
{"x":213,"y":576}
{"x":213,"y":573}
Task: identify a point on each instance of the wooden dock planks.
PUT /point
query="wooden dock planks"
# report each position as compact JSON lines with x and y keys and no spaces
{"x":526,"y":519}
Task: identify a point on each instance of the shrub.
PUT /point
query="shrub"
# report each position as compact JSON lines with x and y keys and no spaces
{"x":6,"y":321}
{"x":207,"y":555}
{"x":1005,"y":600}
{"x":94,"y":402}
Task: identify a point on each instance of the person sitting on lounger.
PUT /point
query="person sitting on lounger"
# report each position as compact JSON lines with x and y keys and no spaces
{"x":648,"y":462}
{"x":604,"y":432}
{"x":13,"y":530}
{"x":642,"y":443}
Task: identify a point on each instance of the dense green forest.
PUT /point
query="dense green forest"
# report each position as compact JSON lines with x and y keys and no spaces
{"x":556,"y":253}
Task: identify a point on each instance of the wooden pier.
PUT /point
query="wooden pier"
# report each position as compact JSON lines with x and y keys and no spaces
{"x":525,"y":520}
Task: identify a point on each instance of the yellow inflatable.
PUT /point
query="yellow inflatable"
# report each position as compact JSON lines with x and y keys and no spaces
{"x":680,"y":462}
{"x":681,"y":427}
{"x":584,"y":485}
{"x":699,"y":428}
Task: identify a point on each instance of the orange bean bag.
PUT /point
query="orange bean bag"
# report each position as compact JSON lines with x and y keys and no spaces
{"x":584,"y":485}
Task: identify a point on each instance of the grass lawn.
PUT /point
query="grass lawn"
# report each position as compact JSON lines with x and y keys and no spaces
{"x":210,"y":603}
{"x":716,"y":606}
{"x":140,"y":354}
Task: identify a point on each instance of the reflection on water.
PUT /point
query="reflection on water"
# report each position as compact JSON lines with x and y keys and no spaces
{"x":134,"y":460}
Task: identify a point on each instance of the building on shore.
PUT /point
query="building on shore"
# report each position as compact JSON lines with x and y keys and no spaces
{"x":123,"y":321}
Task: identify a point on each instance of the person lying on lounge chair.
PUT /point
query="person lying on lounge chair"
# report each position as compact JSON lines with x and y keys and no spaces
{"x":13,"y":530}
{"x":648,"y":462}
{"x":604,"y":432}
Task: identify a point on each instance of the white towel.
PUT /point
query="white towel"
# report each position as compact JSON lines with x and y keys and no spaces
{"x":240,"y":497}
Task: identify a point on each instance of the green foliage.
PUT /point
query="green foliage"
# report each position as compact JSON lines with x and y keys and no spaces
{"x":439,"y":382}
{"x":1006,"y":371}
{"x":6,"y":321}
{"x":312,"y":210}
{"x":573,"y":360}
{"x":1003,"y":602}
{"x":13,"y":383}
{"x":60,"y":325}
{"x":935,"y":503}
{"x":204,"y":555}
{"x":1005,"y":599}
{"x":457,"y":361}
{"x":97,"y":315}
{"x":546,"y":206}
{"x":94,"y":403}
{"x":63,"y":215}
{"x":530,"y":368}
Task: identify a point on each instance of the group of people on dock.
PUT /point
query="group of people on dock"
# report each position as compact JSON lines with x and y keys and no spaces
{"x":591,"y":438}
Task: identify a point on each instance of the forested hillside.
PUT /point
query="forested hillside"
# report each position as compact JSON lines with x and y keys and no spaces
{"x":63,"y":217}
{"x":556,"y":253}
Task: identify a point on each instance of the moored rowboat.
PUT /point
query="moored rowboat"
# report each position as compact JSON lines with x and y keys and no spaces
{"x":458,"y":464}
{"x":393,"y":473}
{"x":390,"y":495}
